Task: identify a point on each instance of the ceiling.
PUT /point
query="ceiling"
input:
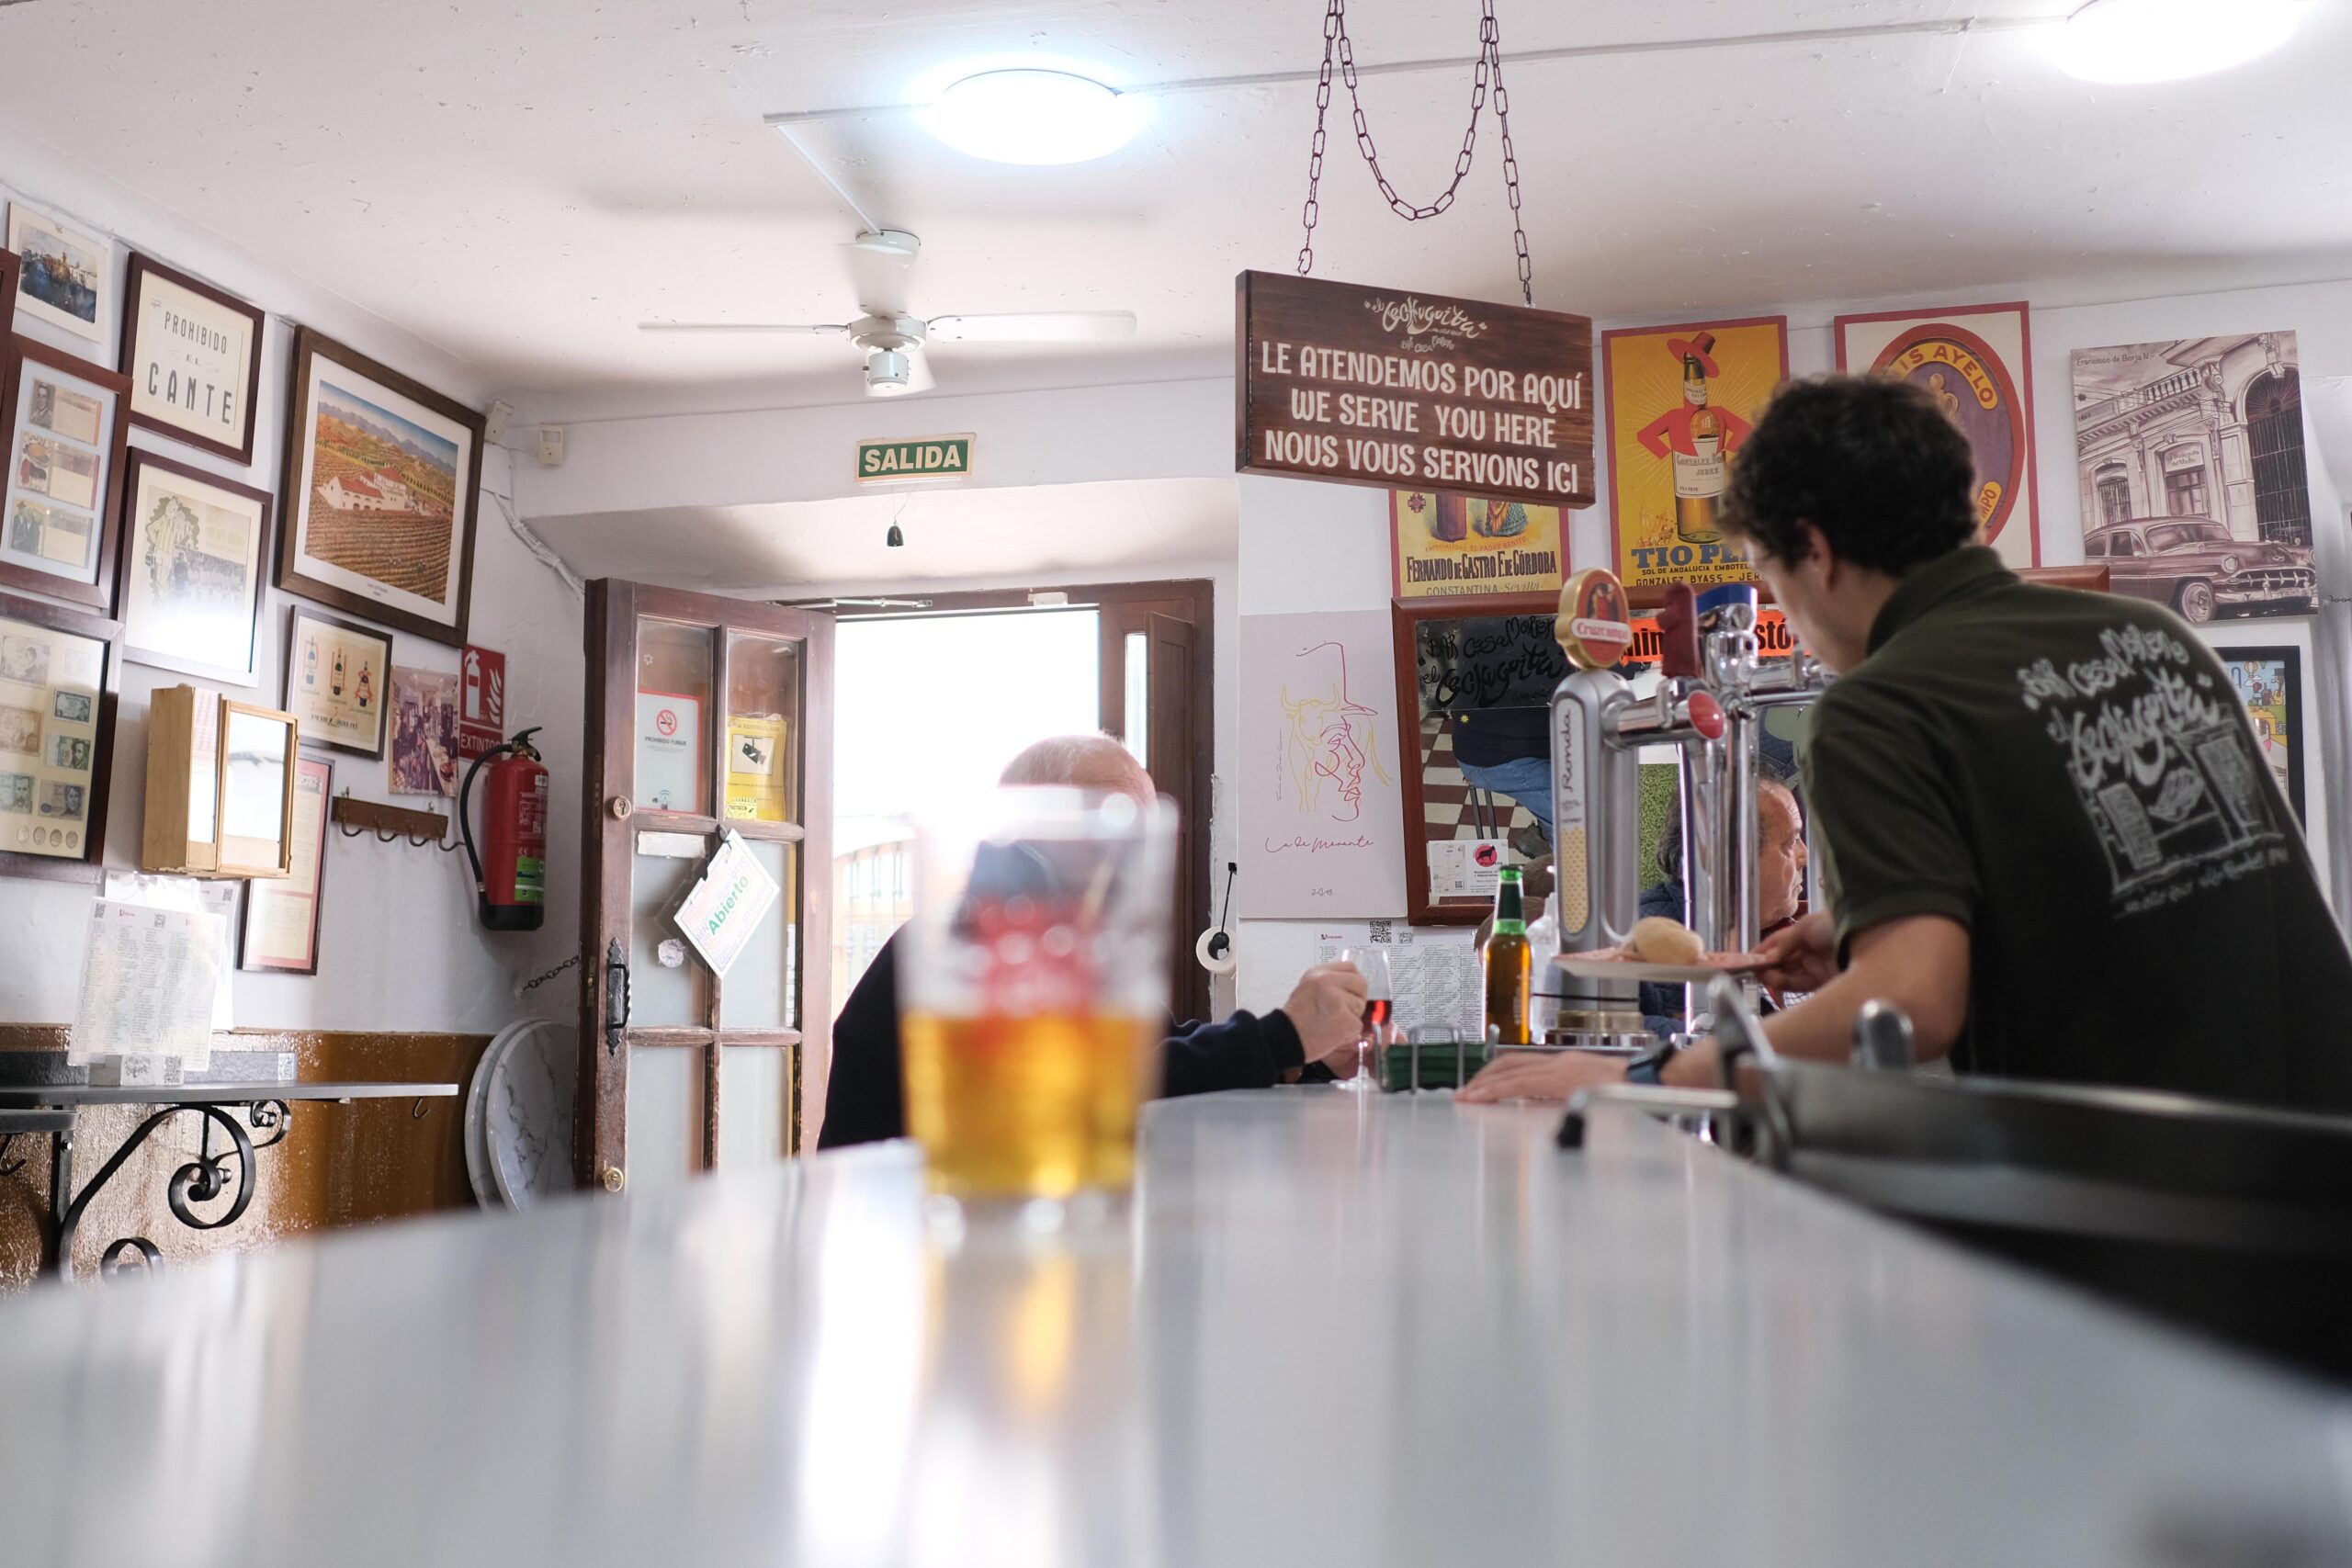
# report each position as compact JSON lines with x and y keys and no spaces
{"x":521,"y":182}
{"x":781,"y":550}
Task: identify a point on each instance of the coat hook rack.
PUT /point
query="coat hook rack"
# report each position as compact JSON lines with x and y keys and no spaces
{"x":424,"y":829}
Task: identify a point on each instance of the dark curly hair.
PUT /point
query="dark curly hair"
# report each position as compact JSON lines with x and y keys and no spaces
{"x":1871,"y":461}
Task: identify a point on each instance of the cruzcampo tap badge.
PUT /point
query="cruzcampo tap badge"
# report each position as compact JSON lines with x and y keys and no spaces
{"x":1593,"y":628}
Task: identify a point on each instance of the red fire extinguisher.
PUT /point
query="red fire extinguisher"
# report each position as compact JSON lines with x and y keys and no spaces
{"x":512,"y":890}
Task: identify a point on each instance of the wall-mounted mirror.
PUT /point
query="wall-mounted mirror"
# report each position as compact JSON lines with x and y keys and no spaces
{"x":257,"y":749}
{"x":1478,"y":794}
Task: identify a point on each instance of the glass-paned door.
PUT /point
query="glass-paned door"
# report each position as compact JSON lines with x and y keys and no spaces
{"x":707,"y":719}
{"x":1151,"y":657}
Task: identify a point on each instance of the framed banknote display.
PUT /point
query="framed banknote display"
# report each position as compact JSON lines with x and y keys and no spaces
{"x":59,"y":672}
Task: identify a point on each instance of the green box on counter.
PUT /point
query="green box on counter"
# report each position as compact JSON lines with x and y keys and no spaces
{"x":1432,"y":1064}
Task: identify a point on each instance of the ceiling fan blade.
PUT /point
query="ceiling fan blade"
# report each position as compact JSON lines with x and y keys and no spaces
{"x":800,"y":329}
{"x":1036,"y":326}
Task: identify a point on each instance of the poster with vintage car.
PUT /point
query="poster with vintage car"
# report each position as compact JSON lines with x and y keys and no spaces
{"x":2189,"y":457}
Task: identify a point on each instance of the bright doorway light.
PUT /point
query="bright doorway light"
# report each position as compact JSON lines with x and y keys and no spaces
{"x":2164,"y":40}
{"x":1033,"y":116}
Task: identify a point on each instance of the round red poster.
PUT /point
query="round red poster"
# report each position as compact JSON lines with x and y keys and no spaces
{"x":1963,"y":374}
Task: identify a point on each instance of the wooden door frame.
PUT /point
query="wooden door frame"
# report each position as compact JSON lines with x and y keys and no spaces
{"x":1197,"y":599}
{"x":609,"y":621}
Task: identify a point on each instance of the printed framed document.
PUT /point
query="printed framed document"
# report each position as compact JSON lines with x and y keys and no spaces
{"x":193,"y":355}
{"x":281,"y":927}
{"x":60,"y":507}
{"x":335,"y":673}
{"x":59,"y":672}
{"x":190,"y":588}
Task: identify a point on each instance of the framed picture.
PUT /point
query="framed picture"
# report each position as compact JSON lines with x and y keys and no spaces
{"x":1978,"y":361}
{"x":1474,"y":690}
{"x":190,"y":588}
{"x":59,"y":672}
{"x":336,"y":673}
{"x":2269,"y":681}
{"x":64,"y":273}
{"x":280,"y":933}
{"x":1447,"y":545}
{"x":2189,"y":458}
{"x":1681,"y":400}
{"x":258,"y":750}
{"x":193,"y":355}
{"x":59,"y":508}
{"x":424,"y":732}
{"x":381,"y":477}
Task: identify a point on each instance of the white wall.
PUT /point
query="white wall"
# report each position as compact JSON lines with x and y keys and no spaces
{"x":1144,"y":430}
{"x":399,"y":949}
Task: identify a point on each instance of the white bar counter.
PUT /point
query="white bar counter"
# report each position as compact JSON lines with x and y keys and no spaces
{"x":1333,"y":1329}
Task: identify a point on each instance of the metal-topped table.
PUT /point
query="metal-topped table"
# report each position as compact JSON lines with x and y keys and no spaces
{"x":1331,"y":1329}
{"x":45,"y":1107}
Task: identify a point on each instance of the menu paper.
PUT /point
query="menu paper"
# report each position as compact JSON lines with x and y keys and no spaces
{"x":216,"y":901}
{"x":1434,"y":973}
{"x":148,"y":982}
{"x":726,"y":907}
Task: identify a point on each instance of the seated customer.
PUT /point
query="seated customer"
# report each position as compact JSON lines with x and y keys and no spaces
{"x":865,"y":1100}
{"x":1780,"y":888}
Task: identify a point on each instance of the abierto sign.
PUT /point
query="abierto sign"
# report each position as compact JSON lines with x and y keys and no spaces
{"x":923,"y":458}
{"x":1412,"y":391}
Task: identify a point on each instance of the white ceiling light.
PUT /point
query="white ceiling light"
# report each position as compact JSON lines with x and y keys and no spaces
{"x":1033,"y":116}
{"x":2164,"y":40}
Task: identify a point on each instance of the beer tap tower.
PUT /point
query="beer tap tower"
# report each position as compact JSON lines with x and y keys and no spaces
{"x":1711,"y":703}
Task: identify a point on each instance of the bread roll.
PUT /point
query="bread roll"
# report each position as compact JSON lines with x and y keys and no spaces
{"x":1658,"y":940}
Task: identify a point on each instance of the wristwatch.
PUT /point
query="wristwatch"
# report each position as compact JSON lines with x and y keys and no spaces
{"x":1649,"y":1068}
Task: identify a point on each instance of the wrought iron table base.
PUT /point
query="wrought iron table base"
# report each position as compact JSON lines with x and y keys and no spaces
{"x":202,"y":1180}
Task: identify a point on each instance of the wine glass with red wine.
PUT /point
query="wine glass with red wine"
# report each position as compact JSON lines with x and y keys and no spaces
{"x":1379,"y":1012}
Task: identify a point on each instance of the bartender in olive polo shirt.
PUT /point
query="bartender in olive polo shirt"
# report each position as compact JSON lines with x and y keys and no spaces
{"x":2042,"y":824}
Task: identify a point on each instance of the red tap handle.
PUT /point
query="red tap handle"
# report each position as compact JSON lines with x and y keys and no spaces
{"x":1677,"y":624}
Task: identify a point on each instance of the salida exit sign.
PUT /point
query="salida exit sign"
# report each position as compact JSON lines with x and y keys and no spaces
{"x":924,"y":458}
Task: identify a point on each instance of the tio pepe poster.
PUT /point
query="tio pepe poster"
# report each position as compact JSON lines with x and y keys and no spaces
{"x":1681,"y":400}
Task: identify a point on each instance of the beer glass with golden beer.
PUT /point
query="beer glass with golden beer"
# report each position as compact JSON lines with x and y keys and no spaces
{"x":1033,"y":989}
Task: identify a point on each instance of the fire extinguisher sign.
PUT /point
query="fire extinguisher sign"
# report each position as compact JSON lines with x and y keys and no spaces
{"x":482,"y":701}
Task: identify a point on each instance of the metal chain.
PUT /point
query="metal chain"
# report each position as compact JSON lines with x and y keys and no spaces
{"x":570,"y":962}
{"x":1338,"y":46}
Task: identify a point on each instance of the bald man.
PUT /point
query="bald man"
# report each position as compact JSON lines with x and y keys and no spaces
{"x":865,"y":1100}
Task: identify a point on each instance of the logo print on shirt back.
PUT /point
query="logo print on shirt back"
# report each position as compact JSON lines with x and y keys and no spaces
{"x":2159,"y":754}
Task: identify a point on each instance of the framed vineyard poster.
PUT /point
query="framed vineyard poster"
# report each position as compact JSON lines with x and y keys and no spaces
{"x":381,"y":478}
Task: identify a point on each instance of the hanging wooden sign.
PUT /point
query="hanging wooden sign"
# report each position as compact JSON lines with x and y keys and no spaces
{"x":1410,"y":391}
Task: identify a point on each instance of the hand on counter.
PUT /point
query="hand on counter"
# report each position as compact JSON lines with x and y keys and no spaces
{"x":1547,"y":1075}
{"x":1326,"y":1008}
{"x":1800,"y":957}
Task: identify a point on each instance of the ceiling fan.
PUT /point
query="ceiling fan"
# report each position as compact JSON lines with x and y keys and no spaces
{"x":894,"y":341}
